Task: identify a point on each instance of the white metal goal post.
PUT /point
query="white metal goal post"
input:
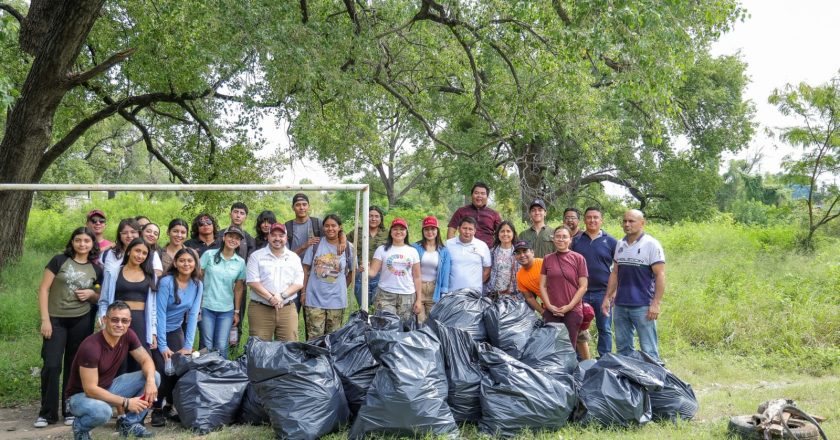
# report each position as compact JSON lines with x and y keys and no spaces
{"x":362,"y":191}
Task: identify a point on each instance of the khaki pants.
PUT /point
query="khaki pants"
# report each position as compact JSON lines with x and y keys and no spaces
{"x":267,"y":322}
{"x":428,"y":292}
{"x":399,"y":304}
{"x":322,"y":321}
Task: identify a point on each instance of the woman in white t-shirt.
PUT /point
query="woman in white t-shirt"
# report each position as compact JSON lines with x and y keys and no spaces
{"x":399,"y":285}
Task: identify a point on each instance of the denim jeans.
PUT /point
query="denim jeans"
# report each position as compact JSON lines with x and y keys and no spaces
{"x":603,"y":323}
{"x":215,"y":330}
{"x":357,"y":289}
{"x":91,"y":413}
{"x":626,"y":320}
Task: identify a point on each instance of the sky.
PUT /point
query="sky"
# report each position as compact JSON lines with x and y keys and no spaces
{"x":781,"y":41}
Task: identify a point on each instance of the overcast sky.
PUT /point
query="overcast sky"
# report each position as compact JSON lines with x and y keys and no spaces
{"x":781,"y":41}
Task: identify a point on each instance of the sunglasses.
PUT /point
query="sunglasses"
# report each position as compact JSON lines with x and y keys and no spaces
{"x":123,"y":321}
{"x":205,"y":223}
{"x":97,"y":221}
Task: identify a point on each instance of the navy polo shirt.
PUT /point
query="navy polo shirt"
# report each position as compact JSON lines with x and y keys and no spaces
{"x":598,"y":254}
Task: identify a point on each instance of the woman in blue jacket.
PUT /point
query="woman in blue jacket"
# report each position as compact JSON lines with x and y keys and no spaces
{"x":435,"y":263}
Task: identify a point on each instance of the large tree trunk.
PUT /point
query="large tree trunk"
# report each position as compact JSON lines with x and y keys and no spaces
{"x":531,"y":170}
{"x":30,"y":122}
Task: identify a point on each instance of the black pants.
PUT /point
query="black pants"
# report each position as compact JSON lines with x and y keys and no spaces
{"x":138,"y":324}
{"x":58,"y":352}
{"x":175,"y":342}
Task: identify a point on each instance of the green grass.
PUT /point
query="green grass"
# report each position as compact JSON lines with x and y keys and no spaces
{"x":744,"y":319}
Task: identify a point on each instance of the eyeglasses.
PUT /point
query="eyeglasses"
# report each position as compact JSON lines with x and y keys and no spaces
{"x":570,"y":218}
{"x":205,"y":223}
{"x":123,"y":321}
{"x":97,"y":221}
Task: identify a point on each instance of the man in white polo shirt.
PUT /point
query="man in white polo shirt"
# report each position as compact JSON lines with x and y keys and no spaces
{"x":470,"y":258}
{"x":636,"y":287}
{"x":275,"y":275}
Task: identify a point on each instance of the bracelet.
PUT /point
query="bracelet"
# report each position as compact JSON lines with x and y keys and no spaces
{"x":236,"y":311}
{"x":125,"y":403}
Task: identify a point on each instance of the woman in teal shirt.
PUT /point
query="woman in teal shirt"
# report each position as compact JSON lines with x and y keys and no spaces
{"x":224,"y":283}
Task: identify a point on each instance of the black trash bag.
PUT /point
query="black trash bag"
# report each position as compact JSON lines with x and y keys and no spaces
{"x":352,"y":359}
{"x":384,"y":320}
{"x":408,"y":394}
{"x":509,"y":323}
{"x":515,"y":396}
{"x":251,"y":411}
{"x":582,"y":368}
{"x":676,"y":399}
{"x":463,"y":309}
{"x":549,"y":349}
{"x":616,"y":392}
{"x":463,"y":371}
{"x":300,"y":390}
{"x":209,"y":391}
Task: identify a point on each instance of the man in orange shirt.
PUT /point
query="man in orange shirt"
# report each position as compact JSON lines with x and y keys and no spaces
{"x":528,"y":276}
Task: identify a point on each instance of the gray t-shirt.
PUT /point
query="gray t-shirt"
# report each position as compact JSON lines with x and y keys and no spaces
{"x":327,"y":285}
{"x":300,"y":234}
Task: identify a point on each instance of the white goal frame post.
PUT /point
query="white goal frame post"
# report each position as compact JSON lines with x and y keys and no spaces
{"x":362,"y":192}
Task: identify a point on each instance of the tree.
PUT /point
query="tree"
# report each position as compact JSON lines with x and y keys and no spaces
{"x":818,"y":109}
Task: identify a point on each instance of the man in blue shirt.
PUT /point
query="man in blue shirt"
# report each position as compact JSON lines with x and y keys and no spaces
{"x":598,"y":248}
{"x":636,"y":287}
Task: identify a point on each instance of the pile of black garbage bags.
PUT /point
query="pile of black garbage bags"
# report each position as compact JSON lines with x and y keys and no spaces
{"x":494,"y":364}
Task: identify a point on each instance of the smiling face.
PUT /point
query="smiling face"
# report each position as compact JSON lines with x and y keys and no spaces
{"x":138,"y":254}
{"x":96,"y":224}
{"x":117,"y":322}
{"x":525,"y":257}
{"x":185,"y":264}
{"x":505,"y":235}
{"x":562,"y":240}
{"x":479,"y":197}
{"x":177,"y":235}
{"x":127,"y":234}
{"x":331,"y":229}
{"x":151,"y":233}
{"x":82,"y":244}
{"x":571,"y":220}
{"x":537,"y":214}
{"x":398,"y":234}
{"x":593,"y":221}
{"x":375,"y":220}
{"x":430,"y":233}
{"x":277,"y":240}
{"x":232,"y":241}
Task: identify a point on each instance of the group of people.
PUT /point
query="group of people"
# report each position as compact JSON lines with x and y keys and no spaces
{"x":150,"y":299}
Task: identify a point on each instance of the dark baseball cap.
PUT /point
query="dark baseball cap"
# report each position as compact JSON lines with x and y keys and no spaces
{"x":235,"y":230}
{"x":521,"y":244}
{"x":537,"y":202}
{"x":277,"y":227}
{"x":299,"y":197}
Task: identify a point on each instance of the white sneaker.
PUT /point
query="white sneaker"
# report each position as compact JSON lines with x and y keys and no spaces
{"x":68,"y":421}
{"x":40,"y":423}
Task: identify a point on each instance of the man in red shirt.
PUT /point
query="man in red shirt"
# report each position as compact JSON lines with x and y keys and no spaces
{"x":487,"y":220}
{"x":94,"y":388}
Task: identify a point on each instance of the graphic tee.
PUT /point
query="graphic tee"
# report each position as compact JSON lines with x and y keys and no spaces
{"x":69,"y":277}
{"x":397,"y":261}
{"x":326,"y":287}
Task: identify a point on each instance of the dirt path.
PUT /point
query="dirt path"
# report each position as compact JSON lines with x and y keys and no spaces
{"x":16,"y":424}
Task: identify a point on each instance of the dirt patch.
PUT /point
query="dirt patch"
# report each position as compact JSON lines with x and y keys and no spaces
{"x":16,"y":424}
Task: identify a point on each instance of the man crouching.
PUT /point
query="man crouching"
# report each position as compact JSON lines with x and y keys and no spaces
{"x":94,"y":388}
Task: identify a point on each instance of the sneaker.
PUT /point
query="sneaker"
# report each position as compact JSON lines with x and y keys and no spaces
{"x":40,"y":423}
{"x":136,"y":430}
{"x":68,"y":421}
{"x":158,"y":419}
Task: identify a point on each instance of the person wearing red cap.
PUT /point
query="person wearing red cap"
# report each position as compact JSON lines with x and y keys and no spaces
{"x":435,"y":263}
{"x":399,"y":289}
{"x":96,"y":223}
{"x":275,"y":275}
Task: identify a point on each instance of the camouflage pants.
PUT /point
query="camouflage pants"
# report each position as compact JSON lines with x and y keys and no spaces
{"x":320,"y":322}
{"x":399,"y":304}
{"x":428,"y":291}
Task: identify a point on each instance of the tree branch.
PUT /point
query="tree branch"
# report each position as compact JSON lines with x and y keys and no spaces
{"x":79,"y":78}
{"x":206,"y":128}
{"x":561,"y":12}
{"x":13,"y":12}
{"x":354,"y":17}
{"x":304,"y":12}
{"x":147,"y":138}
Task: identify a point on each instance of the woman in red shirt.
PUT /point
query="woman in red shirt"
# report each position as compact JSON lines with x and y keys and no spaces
{"x":563,"y":281}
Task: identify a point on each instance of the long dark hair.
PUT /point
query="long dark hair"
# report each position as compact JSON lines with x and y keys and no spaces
{"x":119,"y":251}
{"x":152,"y":247}
{"x":146,"y":267}
{"x":390,"y":241}
{"x":194,"y":229}
{"x":496,"y":241}
{"x":263,"y":217}
{"x":195,"y":276}
{"x":177,"y":222}
{"x":93,"y":255}
{"x":218,"y":257}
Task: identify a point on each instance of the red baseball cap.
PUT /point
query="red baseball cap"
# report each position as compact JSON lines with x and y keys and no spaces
{"x":430,"y":222}
{"x":277,"y":227}
{"x":399,"y":222}
{"x":95,"y":213}
{"x":588,"y":316}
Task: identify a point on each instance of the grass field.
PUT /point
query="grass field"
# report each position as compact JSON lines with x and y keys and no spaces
{"x":745,"y":319}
